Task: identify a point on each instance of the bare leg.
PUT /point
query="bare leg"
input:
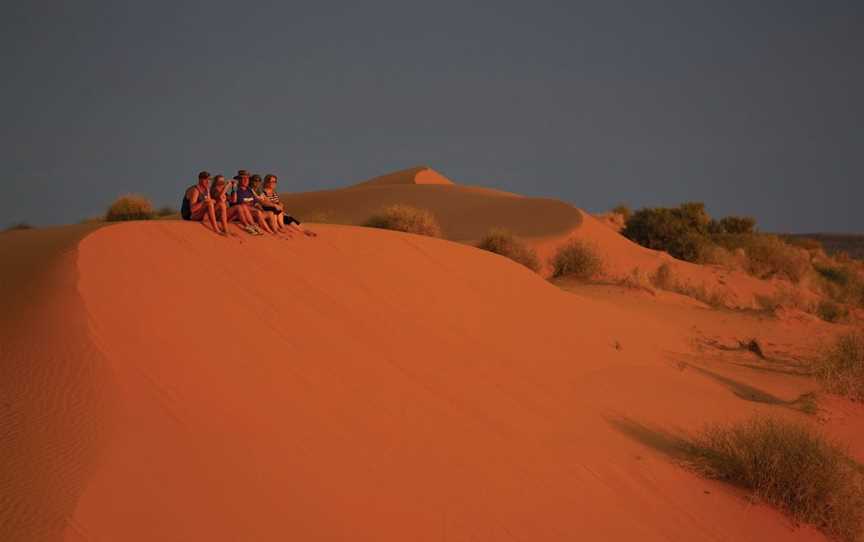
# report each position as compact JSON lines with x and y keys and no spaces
{"x":223,"y":214}
{"x":246,"y":215}
{"x":271,"y":217}
{"x":210,"y":214}
{"x":263,"y":222}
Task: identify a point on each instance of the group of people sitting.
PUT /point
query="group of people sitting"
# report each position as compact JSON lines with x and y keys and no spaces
{"x":255,"y":205}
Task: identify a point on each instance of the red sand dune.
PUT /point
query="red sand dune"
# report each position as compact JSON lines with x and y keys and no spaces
{"x":621,"y":257}
{"x":367,"y":385}
{"x":415,"y":175}
{"x":466,"y":213}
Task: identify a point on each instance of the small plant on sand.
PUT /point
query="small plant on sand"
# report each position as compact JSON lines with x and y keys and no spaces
{"x":576,"y":258}
{"x":842,"y":282}
{"x":130,"y":207}
{"x":790,"y":466}
{"x":503,"y":242}
{"x":664,"y":279}
{"x":406,"y":218}
{"x":637,"y":280}
{"x":831,"y":311}
{"x":624,"y":210}
{"x":19,"y":226}
{"x":841,"y":367}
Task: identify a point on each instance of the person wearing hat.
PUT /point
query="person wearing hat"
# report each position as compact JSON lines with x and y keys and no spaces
{"x":243,"y":195}
{"x":199,"y":206}
{"x":235,"y":213}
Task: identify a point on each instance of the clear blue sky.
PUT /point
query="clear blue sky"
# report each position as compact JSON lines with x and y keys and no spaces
{"x":753,"y":107}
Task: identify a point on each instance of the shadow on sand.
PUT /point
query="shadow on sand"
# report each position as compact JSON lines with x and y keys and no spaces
{"x":806,"y":402}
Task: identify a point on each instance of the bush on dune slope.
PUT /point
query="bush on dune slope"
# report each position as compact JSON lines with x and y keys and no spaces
{"x":407,"y":219}
{"x":503,"y":242}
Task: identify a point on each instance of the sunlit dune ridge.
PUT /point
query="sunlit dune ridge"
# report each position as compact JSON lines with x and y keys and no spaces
{"x":364,"y":385}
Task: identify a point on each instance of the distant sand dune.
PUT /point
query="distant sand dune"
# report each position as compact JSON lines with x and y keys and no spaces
{"x":415,"y":175}
{"x":465,"y":213}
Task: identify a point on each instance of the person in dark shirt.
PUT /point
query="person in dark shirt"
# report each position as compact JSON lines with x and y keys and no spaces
{"x":243,"y":195}
{"x":234,"y":213}
{"x":198,"y":206}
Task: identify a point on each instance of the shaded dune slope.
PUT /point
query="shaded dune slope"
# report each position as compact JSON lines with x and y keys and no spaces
{"x":53,"y":389}
{"x":373,"y":385}
{"x":466,"y":213}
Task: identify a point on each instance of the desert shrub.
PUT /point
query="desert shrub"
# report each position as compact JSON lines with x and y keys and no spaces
{"x":623,"y":210}
{"x":503,"y":242}
{"x":842,"y":283}
{"x":19,"y":226}
{"x":406,"y":218}
{"x":712,"y":254}
{"x":768,"y":255}
{"x":790,"y":466}
{"x":736,"y":225}
{"x":167,"y":210}
{"x":663,"y":277}
{"x":130,"y":207}
{"x":831,"y":311}
{"x":637,"y":280}
{"x":838,"y":275}
{"x":576,"y":258}
{"x":841,"y":366}
{"x":678,"y":231}
{"x":785,"y":296}
{"x":807,"y":243}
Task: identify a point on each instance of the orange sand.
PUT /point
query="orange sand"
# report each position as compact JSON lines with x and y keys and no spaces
{"x":169,"y":384}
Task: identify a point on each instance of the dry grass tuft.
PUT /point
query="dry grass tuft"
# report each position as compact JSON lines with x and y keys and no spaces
{"x":841,"y":367}
{"x":577,"y":258}
{"x":664,"y":278}
{"x":768,"y":256}
{"x":406,"y":218}
{"x":831,"y":311}
{"x":624,"y":210}
{"x":790,"y":466}
{"x":638,"y":280}
{"x":503,"y":242}
{"x":130,"y":207}
{"x":19,"y":226}
{"x":788,"y":297}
